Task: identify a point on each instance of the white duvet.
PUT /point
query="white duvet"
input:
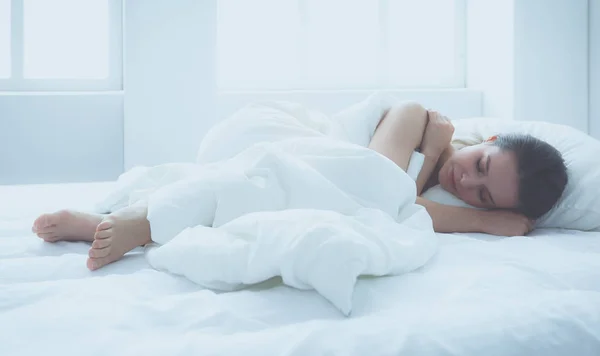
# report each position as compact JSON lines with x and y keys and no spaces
{"x":281,"y":191}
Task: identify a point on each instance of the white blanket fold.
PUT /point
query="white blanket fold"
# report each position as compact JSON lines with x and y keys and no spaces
{"x":279,"y":192}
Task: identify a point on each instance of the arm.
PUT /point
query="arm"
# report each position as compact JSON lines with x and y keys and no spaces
{"x":450,"y":219}
{"x":408,"y":127}
{"x":429,"y":165}
{"x":436,"y":143}
{"x":400,"y":133}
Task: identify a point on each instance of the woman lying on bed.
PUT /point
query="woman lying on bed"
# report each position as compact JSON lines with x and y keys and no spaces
{"x":513,"y":178}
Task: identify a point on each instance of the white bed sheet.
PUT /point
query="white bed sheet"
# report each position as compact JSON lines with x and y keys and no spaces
{"x":481,"y":295}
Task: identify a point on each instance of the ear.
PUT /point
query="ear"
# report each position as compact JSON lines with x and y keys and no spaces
{"x":492,"y":139}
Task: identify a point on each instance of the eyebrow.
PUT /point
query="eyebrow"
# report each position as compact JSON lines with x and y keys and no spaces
{"x":487,"y":169}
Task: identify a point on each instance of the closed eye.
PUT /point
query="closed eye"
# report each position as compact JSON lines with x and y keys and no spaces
{"x":478,"y":166}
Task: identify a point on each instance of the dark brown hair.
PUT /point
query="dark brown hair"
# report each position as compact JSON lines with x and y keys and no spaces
{"x":542,"y":173}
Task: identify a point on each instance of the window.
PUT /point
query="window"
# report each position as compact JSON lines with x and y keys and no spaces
{"x":4,"y":39}
{"x":340,"y":44}
{"x":60,"y":45}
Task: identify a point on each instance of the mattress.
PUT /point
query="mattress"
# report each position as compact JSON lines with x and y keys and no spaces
{"x":480,"y":295}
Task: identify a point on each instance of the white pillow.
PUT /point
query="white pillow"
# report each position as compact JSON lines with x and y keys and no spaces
{"x":439,"y":195}
{"x":579,"y":207}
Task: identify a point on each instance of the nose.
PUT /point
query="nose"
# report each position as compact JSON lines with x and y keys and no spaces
{"x":470,"y":182}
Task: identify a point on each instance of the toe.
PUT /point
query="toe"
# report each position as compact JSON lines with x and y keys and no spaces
{"x":103,"y":234}
{"x":104,"y":225}
{"x":95,"y":263}
{"x":101,"y":243}
{"x":45,"y":234}
{"x":99,"y":252}
{"x":40,"y":222}
{"x":90,"y":264}
{"x":48,"y":236}
{"x":43,"y":222}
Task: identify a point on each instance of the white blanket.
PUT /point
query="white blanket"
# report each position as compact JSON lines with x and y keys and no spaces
{"x":279,"y":191}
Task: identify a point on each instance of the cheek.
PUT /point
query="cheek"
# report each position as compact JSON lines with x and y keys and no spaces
{"x":509,"y":195}
{"x":470,"y":198}
{"x":466,"y":163}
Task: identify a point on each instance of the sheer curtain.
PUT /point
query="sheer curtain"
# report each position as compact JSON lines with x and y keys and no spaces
{"x":339,"y":44}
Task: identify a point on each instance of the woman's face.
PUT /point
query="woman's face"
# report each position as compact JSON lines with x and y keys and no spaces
{"x":483,"y":176}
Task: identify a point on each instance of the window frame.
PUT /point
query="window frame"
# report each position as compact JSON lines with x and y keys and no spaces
{"x":460,"y":40}
{"x":17,"y":82}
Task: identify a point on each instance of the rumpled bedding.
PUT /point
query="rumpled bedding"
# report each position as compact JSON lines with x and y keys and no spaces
{"x":278,"y":190}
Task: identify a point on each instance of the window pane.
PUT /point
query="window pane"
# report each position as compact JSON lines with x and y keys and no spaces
{"x":421,"y":42}
{"x":343,"y":47}
{"x":67,"y":39}
{"x":331,"y":44}
{"x":257,"y":44}
{"x":5,"y":38}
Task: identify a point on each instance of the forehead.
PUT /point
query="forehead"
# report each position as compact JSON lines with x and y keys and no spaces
{"x":503,"y":176}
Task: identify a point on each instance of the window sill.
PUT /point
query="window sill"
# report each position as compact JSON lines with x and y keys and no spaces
{"x":454,"y":102}
{"x":61,"y":93}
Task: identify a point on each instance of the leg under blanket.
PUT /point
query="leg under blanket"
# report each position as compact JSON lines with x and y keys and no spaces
{"x":316,"y":211}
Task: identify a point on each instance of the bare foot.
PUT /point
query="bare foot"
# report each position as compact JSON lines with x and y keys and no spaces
{"x":67,"y":225}
{"x":117,"y":234}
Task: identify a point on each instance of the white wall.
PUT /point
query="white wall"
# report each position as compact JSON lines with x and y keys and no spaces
{"x":490,"y":54}
{"x":170,"y":82}
{"x":594,"y":41}
{"x":51,"y":138}
{"x":529,"y":57}
{"x":551,"y":73}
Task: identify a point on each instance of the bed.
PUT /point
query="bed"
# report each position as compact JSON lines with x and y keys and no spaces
{"x":480,"y":295}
